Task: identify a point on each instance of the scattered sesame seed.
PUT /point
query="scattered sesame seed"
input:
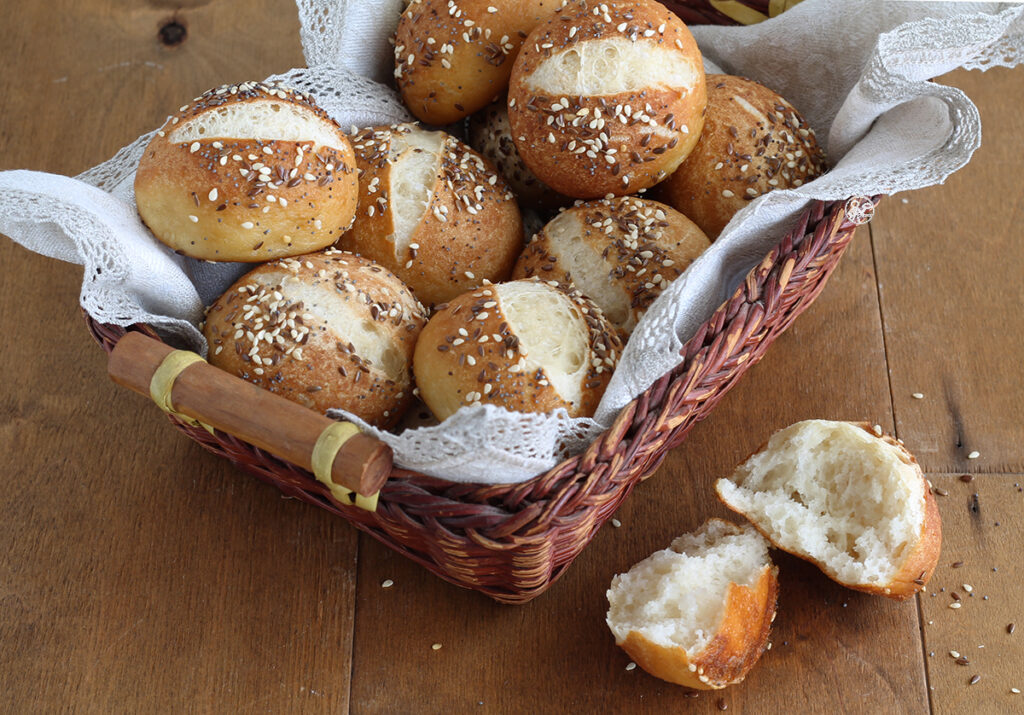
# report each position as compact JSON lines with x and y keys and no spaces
{"x":193,"y":219}
{"x":387,"y":583}
{"x":918,"y":396}
{"x":436,"y":646}
{"x":630,"y":665}
{"x":955,"y":604}
{"x":616,"y":523}
{"x":974,"y":455}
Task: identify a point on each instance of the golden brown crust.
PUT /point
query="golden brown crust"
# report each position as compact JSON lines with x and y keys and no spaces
{"x":249,"y":200}
{"x":261,"y":332}
{"x":733,"y":650}
{"x":644,"y":245}
{"x":467,"y":355}
{"x":470,"y":231}
{"x":917,"y":568}
{"x":741,"y":156}
{"x":618,"y":143}
{"x":454,"y":58}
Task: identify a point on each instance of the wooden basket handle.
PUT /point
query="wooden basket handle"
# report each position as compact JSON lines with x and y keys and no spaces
{"x":198,"y":391}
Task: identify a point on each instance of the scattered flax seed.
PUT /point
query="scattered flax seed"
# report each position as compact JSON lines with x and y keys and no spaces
{"x":436,"y":646}
{"x":974,"y":679}
{"x":1010,"y":628}
{"x":918,"y":396}
{"x":722,"y":705}
{"x":616,"y":523}
{"x":877,"y":429}
{"x":387,"y":583}
{"x":630,"y":665}
{"x":962,"y":661}
{"x":940,"y":491}
{"x":956,"y":564}
{"x":966,"y":478}
{"x":974,"y":455}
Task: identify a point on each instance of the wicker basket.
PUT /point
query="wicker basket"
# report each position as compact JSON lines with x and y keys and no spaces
{"x":511,"y":542}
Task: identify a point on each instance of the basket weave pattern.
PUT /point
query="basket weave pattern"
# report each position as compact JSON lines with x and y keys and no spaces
{"x":513,"y":541}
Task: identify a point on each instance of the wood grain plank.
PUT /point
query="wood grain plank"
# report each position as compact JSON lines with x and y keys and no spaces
{"x":140,"y":574}
{"x":949,"y":271}
{"x":984,"y":537}
{"x":847,"y":651}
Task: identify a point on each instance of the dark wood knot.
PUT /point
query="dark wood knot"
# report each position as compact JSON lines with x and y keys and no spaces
{"x":172,"y":33}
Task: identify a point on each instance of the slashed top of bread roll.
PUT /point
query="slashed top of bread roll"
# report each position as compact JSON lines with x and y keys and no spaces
{"x":433,"y":211}
{"x":607,"y":98}
{"x":621,"y":253}
{"x":453,"y":57}
{"x":326,"y":330}
{"x":248,"y":172}
{"x":754,"y":141}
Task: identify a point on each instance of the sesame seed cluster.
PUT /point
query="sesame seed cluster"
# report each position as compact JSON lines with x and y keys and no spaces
{"x":472,"y":339}
{"x":268,"y":331}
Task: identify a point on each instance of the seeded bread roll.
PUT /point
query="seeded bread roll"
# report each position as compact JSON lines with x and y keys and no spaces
{"x":491,"y":134}
{"x":698,"y":613}
{"x":453,"y":57}
{"x":432,"y":211}
{"x":753,"y":141}
{"x":621,"y":253}
{"x":845,"y":497}
{"x":607,"y":98}
{"x":526,"y":345}
{"x":326,"y":330}
{"x":248,"y":172}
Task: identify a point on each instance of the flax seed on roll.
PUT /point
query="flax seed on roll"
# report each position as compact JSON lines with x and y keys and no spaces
{"x":754,"y":141}
{"x":621,"y":253}
{"x":248,"y":172}
{"x":491,"y":134}
{"x":528,"y":346}
{"x":453,"y":57}
{"x":432,"y":211}
{"x":607,"y":98}
{"x":326,"y":330}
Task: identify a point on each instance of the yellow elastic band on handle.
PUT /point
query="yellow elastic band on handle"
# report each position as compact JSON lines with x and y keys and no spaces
{"x":777,"y":7}
{"x":162,"y":383}
{"x":327,"y":446}
{"x":739,"y":12}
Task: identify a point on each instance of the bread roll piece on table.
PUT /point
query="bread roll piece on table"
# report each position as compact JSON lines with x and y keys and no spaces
{"x":698,"y":613}
{"x":845,"y":497}
{"x":753,"y":142}
{"x":607,"y":98}
{"x":453,"y":57}
{"x":326,"y":330}
{"x":248,"y":172}
{"x":528,"y":346}
{"x":621,"y":253}
{"x":432,"y":211}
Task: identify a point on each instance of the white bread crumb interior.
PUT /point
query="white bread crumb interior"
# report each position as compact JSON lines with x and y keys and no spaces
{"x":677,"y":597}
{"x":415,"y":158}
{"x":552,"y":334}
{"x":834,"y":493}
{"x":267,"y":119}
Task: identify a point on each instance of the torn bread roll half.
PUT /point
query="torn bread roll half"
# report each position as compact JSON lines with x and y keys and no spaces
{"x":607,"y":98}
{"x":698,"y":613}
{"x":528,"y":346}
{"x":453,"y":57}
{"x":326,"y":330}
{"x":753,"y":142}
{"x":248,"y":172}
{"x":621,"y":253}
{"x":432,"y":211}
{"x":845,"y":497}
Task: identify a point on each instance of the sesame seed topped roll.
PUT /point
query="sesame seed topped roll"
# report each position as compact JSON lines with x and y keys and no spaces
{"x":453,"y":57}
{"x":326,"y":330}
{"x":754,"y":141}
{"x":432,"y":211}
{"x":621,"y":253}
{"x":607,"y":98}
{"x":248,"y":172}
{"x":528,"y":346}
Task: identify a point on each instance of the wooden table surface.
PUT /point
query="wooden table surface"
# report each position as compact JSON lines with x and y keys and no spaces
{"x":140,"y":574}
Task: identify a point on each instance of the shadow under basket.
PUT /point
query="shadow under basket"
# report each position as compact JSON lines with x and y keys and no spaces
{"x":511,"y":542}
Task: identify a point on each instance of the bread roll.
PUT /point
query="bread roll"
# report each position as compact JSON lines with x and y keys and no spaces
{"x":526,"y":345}
{"x":607,"y":98}
{"x":753,"y":141}
{"x":248,"y":172}
{"x":453,"y":57}
{"x":845,"y":497}
{"x":621,"y":253}
{"x":432,"y":211}
{"x":327,"y":330}
{"x":698,"y":613}
{"x":491,"y":134}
